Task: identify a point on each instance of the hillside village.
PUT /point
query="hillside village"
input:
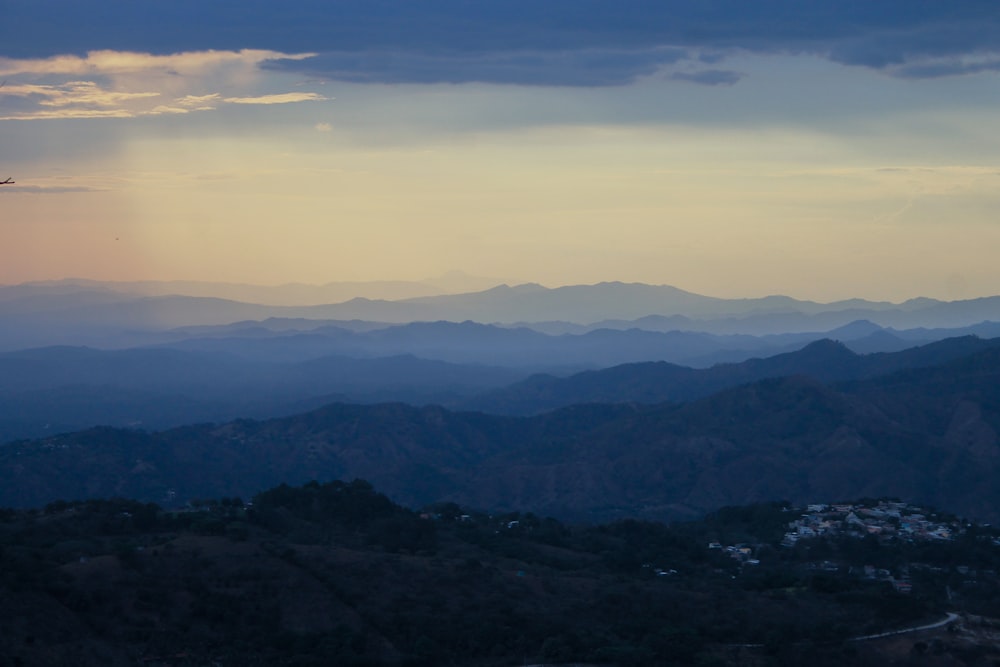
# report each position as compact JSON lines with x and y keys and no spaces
{"x":887,"y":522}
{"x":884,"y":519}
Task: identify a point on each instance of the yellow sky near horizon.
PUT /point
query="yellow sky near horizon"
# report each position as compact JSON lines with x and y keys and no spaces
{"x":374,"y":183}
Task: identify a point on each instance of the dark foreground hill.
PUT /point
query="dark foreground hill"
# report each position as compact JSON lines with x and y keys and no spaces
{"x":336,"y":574}
{"x":928,"y":435}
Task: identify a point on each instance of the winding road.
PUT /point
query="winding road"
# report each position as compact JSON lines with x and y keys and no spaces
{"x":951,"y":616}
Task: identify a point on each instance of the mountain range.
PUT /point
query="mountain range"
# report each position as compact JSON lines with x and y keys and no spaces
{"x":120,"y":315}
{"x":261,"y":374}
{"x":588,"y":402}
{"x":826,"y":360}
{"x":925,"y":433}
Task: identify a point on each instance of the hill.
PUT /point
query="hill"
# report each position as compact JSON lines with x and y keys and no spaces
{"x":657,"y":382}
{"x":335,"y":573}
{"x":927,"y":435}
{"x":254,"y":371}
{"x":58,"y":389}
{"x":130,"y":314}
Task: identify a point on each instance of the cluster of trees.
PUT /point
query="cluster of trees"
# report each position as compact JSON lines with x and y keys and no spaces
{"x":319,"y":513}
{"x":336,"y":573}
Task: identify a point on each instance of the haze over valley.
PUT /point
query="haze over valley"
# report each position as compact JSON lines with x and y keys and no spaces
{"x":506,"y":413}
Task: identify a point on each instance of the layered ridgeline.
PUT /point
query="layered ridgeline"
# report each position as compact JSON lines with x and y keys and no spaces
{"x":122,"y":314}
{"x":44,"y":391}
{"x":927,"y":434}
{"x":76,"y":354}
{"x":658,"y":382}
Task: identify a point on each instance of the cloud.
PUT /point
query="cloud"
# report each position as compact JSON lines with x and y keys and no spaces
{"x":199,"y":102}
{"x":583,"y":67}
{"x":709,"y":77}
{"x":954,"y":67}
{"x":108,"y":84}
{"x":109,"y":62}
{"x":82,"y":93}
{"x":323,"y":127}
{"x":556,"y":42}
{"x":71,"y":113}
{"x":186,"y":104}
{"x":281,"y":98}
{"x":73,"y":99}
{"x":40,"y":189}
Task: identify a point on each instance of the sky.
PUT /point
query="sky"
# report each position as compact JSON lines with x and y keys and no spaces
{"x":818,"y":149}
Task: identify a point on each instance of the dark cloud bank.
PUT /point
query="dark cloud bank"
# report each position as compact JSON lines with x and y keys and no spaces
{"x":543,"y":42}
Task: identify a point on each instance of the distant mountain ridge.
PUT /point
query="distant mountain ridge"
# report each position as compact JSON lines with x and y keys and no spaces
{"x":85,"y":313}
{"x":926,"y":434}
{"x":657,"y":382}
{"x":55,"y":389}
{"x":288,"y":294}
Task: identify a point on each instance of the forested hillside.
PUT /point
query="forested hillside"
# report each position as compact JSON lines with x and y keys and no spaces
{"x":336,"y":573}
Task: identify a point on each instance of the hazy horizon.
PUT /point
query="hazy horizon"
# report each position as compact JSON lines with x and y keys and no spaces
{"x":445,"y":284}
{"x":808,"y":149}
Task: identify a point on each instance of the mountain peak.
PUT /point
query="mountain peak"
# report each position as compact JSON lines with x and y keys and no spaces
{"x":521,"y":288}
{"x":827,"y":347}
{"x":856,"y":329}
